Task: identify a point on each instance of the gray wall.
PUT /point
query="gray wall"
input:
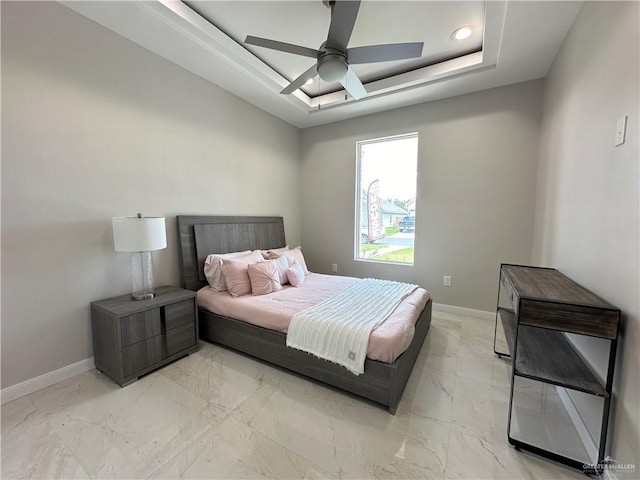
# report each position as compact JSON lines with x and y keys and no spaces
{"x":587,"y":215}
{"x":477,"y":163}
{"x":94,"y":126}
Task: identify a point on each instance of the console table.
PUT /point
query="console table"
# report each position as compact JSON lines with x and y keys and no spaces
{"x":544,"y":305}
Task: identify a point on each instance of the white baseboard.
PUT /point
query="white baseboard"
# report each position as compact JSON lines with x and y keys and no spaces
{"x":467,"y":312}
{"x":588,"y":442}
{"x":33,"y":384}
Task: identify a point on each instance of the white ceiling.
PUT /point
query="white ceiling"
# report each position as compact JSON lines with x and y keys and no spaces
{"x":512,"y":42}
{"x":307,"y":23}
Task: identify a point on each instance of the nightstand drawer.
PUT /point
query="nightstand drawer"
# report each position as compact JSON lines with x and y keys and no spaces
{"x":139,"y":356}
{"x":178,"y":314}
{"x":140,"y":326}
{"x":180,"y":339}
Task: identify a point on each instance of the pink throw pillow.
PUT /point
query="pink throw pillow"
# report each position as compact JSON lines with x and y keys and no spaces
{"x":236,"y":275}
{"x":213,"y":270}
{"x":295,"y":255}
{"x":264,"y":277}
{"x":295,"y":273}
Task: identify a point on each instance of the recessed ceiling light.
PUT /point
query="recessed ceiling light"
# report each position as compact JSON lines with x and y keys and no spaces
{"x":463,"y":33}
{"x":309,"y":82}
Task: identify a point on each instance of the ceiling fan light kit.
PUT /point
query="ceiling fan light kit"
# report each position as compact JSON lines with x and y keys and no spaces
{"x":332,"y":58}
{"x":332,"y":67}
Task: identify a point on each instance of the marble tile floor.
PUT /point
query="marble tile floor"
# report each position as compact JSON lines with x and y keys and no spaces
{"x":218,"y":414}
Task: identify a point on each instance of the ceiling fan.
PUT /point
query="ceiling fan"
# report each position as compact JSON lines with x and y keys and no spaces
{"x":333,"y":56}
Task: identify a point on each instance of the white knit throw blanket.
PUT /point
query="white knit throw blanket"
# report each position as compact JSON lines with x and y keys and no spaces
{"x":338,"y":329}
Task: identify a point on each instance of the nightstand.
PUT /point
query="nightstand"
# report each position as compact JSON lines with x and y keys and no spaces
{"x":134,"y":337}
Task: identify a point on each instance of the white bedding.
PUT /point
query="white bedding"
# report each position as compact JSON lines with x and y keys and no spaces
{"x":338,"y":329}
{"x":275,"y":310}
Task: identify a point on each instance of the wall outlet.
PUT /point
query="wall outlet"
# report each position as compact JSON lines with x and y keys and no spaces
{"x":446,"y":280}
{"x":334,"y":267}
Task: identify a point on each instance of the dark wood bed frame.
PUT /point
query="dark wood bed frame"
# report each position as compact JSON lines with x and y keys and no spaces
{"x":201,"y":235}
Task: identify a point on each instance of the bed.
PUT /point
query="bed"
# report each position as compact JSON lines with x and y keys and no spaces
{"x":199,"y":236}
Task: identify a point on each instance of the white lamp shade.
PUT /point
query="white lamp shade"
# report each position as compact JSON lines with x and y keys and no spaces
{"x":133,"y":234}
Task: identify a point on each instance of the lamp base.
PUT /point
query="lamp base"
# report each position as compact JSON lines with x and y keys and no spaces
{"x":145,"y":296}
{"x":142,"y":274}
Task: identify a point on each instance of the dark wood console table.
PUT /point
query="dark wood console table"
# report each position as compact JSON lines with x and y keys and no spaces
{"x":544,"y":305}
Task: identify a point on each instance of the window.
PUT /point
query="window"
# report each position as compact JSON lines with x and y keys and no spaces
{"x":386,"y":177}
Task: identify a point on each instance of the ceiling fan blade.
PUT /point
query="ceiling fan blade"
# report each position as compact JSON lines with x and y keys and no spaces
{"x":301,"y":80}
{"x":343,"y":18}
{"x":384,"y":53}
{"x":353,"y":85}
{"x":281,"y":46}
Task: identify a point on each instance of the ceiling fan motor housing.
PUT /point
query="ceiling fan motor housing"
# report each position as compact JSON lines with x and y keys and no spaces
{"x":332,"y":64}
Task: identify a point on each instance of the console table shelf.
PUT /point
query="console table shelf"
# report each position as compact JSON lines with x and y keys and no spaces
{"x":544,"y":306}
{"x":509,"y":322}
{"x":560,"y":365}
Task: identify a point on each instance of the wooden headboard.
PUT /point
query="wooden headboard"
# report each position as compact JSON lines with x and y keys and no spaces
{"x":199,"y":236}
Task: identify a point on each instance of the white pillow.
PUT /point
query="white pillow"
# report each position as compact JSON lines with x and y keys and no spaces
{"x":295,"y":274}
{"x":282,"y":264}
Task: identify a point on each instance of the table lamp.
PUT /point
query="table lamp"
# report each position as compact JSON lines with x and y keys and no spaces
{"x":140,"y":236}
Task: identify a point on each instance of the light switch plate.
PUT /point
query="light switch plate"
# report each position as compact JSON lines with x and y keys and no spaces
{"x":621,"y":130}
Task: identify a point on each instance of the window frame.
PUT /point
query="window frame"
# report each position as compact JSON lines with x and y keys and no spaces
{"x":358,"y":197}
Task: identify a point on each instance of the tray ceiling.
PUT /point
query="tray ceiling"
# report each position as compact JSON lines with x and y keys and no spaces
{"x":511,"y":42}
{"x":307,"y":23}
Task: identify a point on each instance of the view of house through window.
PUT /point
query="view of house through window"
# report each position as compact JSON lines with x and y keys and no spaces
{"x":386,"y":203}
